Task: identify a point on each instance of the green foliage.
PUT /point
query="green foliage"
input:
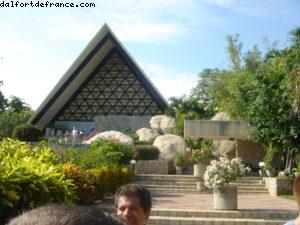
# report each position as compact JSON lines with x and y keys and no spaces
{"x":201,"y":149}
{"x":3,"y":100}
{"x":10,"y":119}
{"x":269,"y":158}
{"x":27,"y":132}
{"x":93,"y":184}
{"x":99,"y":153}
{"x":150,"y":142}
{"x":186,"y":109}
{"x":113,"y":151}
{"x":30,"y":177}
{"x":263,"y":93}
{"x":178,"y":159}
{"x":145,"y":152}
{"x":234,"y":48}
{"x":17,"y":105}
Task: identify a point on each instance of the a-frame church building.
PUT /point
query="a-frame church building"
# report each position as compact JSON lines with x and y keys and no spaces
{"x":103,"y":89}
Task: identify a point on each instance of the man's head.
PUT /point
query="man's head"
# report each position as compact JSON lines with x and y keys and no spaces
{"x":133,"y":203}
{"x":55,"y":214}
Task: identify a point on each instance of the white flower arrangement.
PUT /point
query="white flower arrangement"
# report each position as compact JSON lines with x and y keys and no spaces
{"x":220,"y":173}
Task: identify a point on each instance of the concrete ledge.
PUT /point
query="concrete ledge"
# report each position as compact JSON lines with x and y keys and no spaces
{"x":279,"y":186}
{"x":221,"y":130}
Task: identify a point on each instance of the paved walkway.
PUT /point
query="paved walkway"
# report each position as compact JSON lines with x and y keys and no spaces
{"x":247,"y":202}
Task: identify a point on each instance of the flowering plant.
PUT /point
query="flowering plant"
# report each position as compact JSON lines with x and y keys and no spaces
{"x":220,"y":173}
{"x":200,"y":154}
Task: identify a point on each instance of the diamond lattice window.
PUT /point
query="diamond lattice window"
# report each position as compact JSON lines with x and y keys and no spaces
{"x":112,"y":90}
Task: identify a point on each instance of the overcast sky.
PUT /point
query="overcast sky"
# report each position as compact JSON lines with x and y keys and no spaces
{"x":171,"y":40}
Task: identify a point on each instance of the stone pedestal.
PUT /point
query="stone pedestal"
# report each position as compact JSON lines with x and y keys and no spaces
{"x":178,"y":170}
{"x":199,"y":170}
{"x":226,"y":198}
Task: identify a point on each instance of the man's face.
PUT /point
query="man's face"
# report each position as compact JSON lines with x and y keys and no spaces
{"x":130,"y":210}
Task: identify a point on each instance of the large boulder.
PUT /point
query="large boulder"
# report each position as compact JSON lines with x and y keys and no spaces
{"x":223,"y":146}
{"x":111,"y":135}
{"x":146,"y":134}
{"x":162,"y":123}
{"x":221,"y":116}
{"x":169,"y":145}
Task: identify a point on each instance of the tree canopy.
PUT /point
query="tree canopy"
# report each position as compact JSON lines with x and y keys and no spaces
{"x":262,"y":91}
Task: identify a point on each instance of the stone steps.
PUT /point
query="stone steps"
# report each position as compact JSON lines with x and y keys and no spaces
{"x":162,"y":216}
{"x":187,"y":184}
{"x":158,"y":220}
{"x":194,"y":191}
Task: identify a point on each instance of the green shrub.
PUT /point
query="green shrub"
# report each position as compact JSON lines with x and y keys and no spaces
{"x":30,"y":177}
{"x":27,"y":132}
{"x":112,"y":151}
{"x":178,"y":159}
{"x":93,"y":184}
{"x":150,"y":142}
{"x":269,"y":158}
{"x":145,"y":152}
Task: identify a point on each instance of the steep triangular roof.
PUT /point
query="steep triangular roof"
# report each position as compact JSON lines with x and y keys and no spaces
{"x":84,"y":78}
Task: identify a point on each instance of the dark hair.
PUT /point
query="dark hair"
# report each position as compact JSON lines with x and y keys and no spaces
{"x":56,"y":214}
{"x":135,"y":190}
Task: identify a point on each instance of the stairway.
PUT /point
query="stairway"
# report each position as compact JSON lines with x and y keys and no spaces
{"x":187,"y":184}
{"x":161,"y":216}
{"x":213,"y":217}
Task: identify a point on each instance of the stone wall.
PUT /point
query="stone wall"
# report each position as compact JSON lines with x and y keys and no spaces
{"x":121,"y":123}
{"x":152,"y":167}
{"x":279,"y":186}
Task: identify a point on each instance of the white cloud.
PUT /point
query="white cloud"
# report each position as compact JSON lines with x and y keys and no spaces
{"x":170,"y":81}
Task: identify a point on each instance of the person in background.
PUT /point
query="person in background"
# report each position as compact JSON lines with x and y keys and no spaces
{"x":133,"y":204}
{"x":296,"y":190}
{"x":55,"y":214}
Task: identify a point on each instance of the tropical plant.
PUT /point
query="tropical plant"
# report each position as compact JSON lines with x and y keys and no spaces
{"x":99,"y":153}
{"x":198,"y":155}
{"x":220,"y":173}
{"x":178,"y":159}
{"x":30,"y":176}
{"x":27,"y":132}
{"x":145,"y":152}
{"x":271,"y":152}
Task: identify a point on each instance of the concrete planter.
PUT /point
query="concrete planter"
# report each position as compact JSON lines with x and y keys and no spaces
{"x":199,"y":170}
{"x":178,"y":170}
{"x":226,"y":198}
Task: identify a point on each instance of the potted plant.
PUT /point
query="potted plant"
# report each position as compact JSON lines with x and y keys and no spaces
{"x":199,"y":158}
{"x":218,"y":175}
{"x":201,"y":151}
{"x":178,"y":161}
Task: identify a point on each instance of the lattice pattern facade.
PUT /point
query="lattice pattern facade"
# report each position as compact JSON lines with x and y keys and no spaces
{"x":112,"y":90}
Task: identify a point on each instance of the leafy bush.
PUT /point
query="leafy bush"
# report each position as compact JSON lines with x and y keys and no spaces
{"x":94,"y":184}
{"x":178,"y":159}
{"x":269,"y":158}
{"x":200,"y":154}
{"x":27,"y":132}
{"x":30,"y":177}
{"x":10,"y":119}
{"x":98,"y":154}
{"x":113,"y":152}
{"x":150,"y":142}
{"x":145,"y":152}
